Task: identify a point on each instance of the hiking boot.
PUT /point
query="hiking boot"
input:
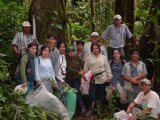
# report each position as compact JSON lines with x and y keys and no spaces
{"x":83,"y":110}
{"x":89,"y":112}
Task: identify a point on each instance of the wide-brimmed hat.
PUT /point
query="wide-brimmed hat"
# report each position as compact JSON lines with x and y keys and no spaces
{"x":94,"y":34}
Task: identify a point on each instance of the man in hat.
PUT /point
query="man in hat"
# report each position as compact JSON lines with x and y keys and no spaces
{"x":117,"y":33}
{"x":22,"y":39}
{"x":148,"y":99}
{"x":94,"y":39}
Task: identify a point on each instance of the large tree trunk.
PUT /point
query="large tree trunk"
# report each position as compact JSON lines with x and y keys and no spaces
{"x":126,"y":9}
{"x":50,"y":18}
{"x":92,"y":15}
{"x":150,"y":42}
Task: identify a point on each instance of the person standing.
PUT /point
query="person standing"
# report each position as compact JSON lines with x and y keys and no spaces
{"x":22,"y":39}
{"x":74,"y":71}
{"x":99,"y":67}
{"x":27,"y":67}
{"x":44,"y":72}
{"x":117,"y":34}
{"x":133,"y":72}
{"x":94,"y":39}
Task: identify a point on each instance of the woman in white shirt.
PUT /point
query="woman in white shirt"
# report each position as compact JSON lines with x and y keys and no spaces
{"x":44,"y":69}
{"x":62,"y":69}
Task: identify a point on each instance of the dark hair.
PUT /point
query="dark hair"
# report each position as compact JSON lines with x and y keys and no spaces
{"x":43,"y":48}
{"x":133,"y":50}
{"x":95,"y":44}
{"x":117,"y":50}
{"x":60,"y":43}
{"x":32,"y":44}
{"x":52,"y":36}
{"x":80,"y":42}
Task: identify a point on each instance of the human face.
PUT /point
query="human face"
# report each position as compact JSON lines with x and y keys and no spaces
{"x":80,"y":47}
{"x":51,"y":42}
{"x":116,"y":55}
{"x":45,"y":53}
{"x":145,"y":87}
{"x":33,"y":50}
{"x":117,"y":22}
{"x":72,"y":53}
{"x":26,"y":30}
{"x":134,"y":56}
{"x":62,"y":48}
{"x":95,"y":50}
{"x":94,"y":39}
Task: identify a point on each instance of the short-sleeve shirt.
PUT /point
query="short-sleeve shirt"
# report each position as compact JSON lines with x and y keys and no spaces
{"x":150,"y":100}
{"x":22,"y":41}
{"x":116,"y":36}
{"x":134,"y":71}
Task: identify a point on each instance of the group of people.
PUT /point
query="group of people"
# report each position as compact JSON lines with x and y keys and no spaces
{"x":50,"y":64}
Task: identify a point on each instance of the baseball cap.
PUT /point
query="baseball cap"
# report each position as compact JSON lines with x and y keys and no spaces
{"x":146,"y":81}
{"x":118,"y":17}
{"x":26,"y":24}
{"x":94,"y":34}
{"x":70,"y":48}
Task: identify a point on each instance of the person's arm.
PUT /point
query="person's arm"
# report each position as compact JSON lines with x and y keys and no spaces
{"x":37,"y":77}
{"x":55,"y":60}
{"x":107,"y":69}
{"x":24,"y":61}
{"x":106,"y":33}
{"x":131,"y":106}
{"x":15,"y":44}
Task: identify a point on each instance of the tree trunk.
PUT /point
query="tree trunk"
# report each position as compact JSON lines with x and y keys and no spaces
{"x":50,"y":18}
{"x":150,"y":42}
{"x":126,"y":9}
{"x":92,"y":15}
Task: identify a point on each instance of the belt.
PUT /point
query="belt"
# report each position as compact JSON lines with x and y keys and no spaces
{"x":99,"y":73}
{"x":135,"y":84}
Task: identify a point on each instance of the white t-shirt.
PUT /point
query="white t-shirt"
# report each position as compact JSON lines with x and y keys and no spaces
{"x":150,"y":100}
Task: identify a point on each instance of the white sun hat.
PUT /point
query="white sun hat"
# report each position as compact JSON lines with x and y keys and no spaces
{"x":26,"y":24}
{"x":94,"y":34}
{"x":19,"y":88}
{"x":118,"y":17}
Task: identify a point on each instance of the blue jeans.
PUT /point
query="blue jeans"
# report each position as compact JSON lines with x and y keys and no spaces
{"x":75,"y":83}
{"x":30,"y":85}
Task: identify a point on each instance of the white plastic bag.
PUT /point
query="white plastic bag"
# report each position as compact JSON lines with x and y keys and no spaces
{"x":41,"y":97}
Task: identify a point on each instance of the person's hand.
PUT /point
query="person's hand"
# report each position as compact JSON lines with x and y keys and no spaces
{"x":39,"y":82}
{"x":137,"y":44}
{"x":134,"y":81}
{"x":24,"y":85}
{"x":132,"y":118}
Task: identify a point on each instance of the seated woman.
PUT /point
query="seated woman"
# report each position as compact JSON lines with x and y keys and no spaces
{"x":99,"y":66}
{"x":27,"y":66}
{"x":44,"y":69}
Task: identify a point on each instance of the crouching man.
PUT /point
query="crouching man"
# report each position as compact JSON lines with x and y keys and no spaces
{"x":148,"y":99}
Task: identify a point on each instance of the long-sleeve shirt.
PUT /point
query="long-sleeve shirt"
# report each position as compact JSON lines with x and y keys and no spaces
{"x":43,"y":69}
{"x":74,"y":65}
{"x":98,"y":64}
{"x":27,"y":67}
{"x":87,"y":50}
{"x":62,"y":70}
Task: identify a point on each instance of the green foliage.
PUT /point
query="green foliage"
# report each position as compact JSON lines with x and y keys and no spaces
{"x":12,"y":14}
{"x":80,"y":31}
{"x":12,"y":104}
